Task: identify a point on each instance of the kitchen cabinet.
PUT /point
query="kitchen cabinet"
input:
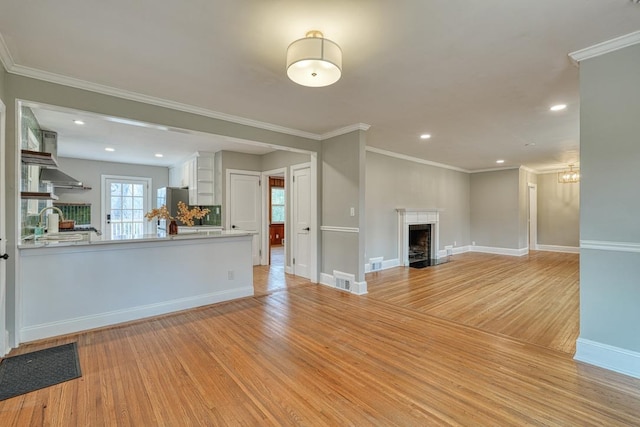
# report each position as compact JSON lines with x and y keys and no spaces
{"x":197,"y":173}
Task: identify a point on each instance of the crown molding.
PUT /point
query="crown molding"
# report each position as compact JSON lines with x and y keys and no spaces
{"x":345,"y":130}
{"x":5,"y":55}
{"x":414,"y":159}
{"x":605,"y":47}
{"x":146,"y":99}
{"x":506,"y":168}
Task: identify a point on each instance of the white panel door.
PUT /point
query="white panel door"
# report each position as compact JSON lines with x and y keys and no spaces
{"x":245,"y":207}
{"x":125,"y":202}
{"x":301,"y":222}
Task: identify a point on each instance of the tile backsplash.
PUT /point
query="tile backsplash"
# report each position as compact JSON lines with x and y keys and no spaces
{"x":79,"y":212}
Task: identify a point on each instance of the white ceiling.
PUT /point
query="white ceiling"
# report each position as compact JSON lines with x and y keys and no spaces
{"x":479,"y":76}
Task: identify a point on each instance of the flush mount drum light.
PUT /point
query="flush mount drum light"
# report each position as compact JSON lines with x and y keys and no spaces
{"x":314,"y":61}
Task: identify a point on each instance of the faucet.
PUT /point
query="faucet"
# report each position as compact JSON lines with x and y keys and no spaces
{"x":47,"y":208}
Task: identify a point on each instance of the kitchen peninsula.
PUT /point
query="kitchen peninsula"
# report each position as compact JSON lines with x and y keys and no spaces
{"x":69,"y":286}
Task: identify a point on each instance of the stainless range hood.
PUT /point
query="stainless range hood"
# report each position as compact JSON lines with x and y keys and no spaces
{"x":54,"y":176}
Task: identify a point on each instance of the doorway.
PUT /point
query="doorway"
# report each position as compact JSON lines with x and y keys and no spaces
{"x":125,"y":200}
{"x":533,"y":217}
{"x":277,"y":219}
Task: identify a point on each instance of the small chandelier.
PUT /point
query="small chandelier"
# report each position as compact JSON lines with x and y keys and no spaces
{"x":569,"y":176}
{"x":314,"y":61}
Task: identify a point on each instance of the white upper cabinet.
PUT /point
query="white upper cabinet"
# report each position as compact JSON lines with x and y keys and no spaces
{"x":197,"y":173}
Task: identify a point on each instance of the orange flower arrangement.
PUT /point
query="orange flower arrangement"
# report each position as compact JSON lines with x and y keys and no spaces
{"x":186,"y":215}
{"x":162,"y":213}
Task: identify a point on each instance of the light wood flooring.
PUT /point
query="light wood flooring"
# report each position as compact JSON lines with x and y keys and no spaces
{"x":304,"y":354}
{"x":534,"y":298}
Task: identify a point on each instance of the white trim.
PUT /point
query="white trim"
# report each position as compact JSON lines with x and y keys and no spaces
{"x":556,"y":248}
{"x":4,"y":333}
{"x":386,"y":264}
{"x":288,"y":269}
{"x":313,"y":232}
{"x":77,"y":324}
{"x":616,"y":359}
{"x":345,"y":130}
{"x":499,"y":251}
{"x":339,"y":229}
{"x":602,"y":245}
{"x":359,"y":288}
{"x":151,"y":100}
{"x":528,"y":169}
{"x":605,"y":47}
{"x":414,"y":159}
{"x":506,"y":168}
{"x":5,"y":55}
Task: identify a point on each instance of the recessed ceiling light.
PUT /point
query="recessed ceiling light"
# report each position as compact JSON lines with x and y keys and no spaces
{"x":78,"y":122}
{"x":558,"y":107}
{"x":159,"y":155}
{"x":109,"y":149}
{"x":425,"y":136}
{"x":500,"y":161}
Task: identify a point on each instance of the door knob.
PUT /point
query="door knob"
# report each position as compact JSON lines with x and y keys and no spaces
{"x":233,"y":226}
{"x":307,"y":229}
{"x":4,"y":256}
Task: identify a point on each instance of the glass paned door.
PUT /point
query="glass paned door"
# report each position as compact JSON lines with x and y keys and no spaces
{"x":126,"y":201}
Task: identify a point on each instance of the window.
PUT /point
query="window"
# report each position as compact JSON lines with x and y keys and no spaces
{"x":277,"y":204}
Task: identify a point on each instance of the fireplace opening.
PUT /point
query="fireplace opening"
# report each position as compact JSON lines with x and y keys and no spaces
{"x":420,"y":237}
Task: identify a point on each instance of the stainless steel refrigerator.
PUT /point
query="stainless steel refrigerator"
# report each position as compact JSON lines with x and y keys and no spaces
{"x":170,"y":196}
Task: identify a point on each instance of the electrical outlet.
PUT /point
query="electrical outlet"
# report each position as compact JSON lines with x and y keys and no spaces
{"x":455,"y":243}
{"x":353,"y":211}
{"x":473,"y":243}
{"x":230,"y":275}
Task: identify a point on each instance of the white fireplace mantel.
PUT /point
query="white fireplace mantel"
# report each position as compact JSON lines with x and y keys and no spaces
{"x":411,"y":216}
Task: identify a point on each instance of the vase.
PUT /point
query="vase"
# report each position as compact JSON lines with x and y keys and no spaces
{"x":173,"y":227}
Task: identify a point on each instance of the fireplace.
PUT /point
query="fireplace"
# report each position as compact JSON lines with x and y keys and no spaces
{"x":419,"y":251}
{"x":418,"y":237}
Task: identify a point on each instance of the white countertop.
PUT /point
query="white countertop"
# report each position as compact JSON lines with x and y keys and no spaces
{"x":93,"y":239}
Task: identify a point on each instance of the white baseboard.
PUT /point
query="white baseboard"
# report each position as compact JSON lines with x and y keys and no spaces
{"x":359,"y":288}
{"x":387,"y":263}
{"x":605,"y":356}
{"x":68,"y":326}
{"x":499,"y":251}
{"x":288,"y":270}
{"x":556,"y":248}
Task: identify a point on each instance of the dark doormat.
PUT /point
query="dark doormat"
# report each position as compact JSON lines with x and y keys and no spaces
{"x":39,"y":369}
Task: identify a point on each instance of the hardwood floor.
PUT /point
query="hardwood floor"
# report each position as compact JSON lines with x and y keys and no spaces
{"x":307,"y":354}
{"x":534,"y":298}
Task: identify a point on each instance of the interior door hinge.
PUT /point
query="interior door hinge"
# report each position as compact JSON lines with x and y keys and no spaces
{"x":294,"y":260}
{"x":260,"y":252}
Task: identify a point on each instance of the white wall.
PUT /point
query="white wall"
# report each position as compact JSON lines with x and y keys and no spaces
{"x":558,"y":212}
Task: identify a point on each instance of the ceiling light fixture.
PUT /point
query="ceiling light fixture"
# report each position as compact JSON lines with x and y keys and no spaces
{"x":109,"y":149}
{"x":500,"y":161}
{"x":425,"y":136}
{"x":569,"y":176}
{"x":558,"y":107}
{"x":78,"y":122}
{"x":314,"y":61}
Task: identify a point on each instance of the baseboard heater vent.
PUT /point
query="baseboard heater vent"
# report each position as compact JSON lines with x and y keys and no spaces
{"x":344,"y":281}
{"x":376,"y":263}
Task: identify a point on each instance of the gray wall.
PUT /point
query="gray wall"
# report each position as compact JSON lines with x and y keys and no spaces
{"x":395,"y":183}
{"x":558,"y":212}
{"x":90,"y":173}
{"x":496,"y":209}
{"x":610,"y":198}
{"x":342,"y":184}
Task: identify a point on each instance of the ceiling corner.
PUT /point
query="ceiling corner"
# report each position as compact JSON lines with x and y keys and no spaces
{"x":5,"y":55}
